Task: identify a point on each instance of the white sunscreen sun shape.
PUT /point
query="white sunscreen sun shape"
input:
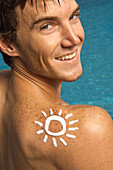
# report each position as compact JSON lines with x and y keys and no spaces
{"x":62,"y":122}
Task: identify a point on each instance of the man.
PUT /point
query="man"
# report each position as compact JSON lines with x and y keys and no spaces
{"x":41,"y":42}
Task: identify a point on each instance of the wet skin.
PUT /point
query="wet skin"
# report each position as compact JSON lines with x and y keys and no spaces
{"x":34,"y":84}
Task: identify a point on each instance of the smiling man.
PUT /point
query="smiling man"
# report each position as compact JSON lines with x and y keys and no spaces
{"x":41,"y":41}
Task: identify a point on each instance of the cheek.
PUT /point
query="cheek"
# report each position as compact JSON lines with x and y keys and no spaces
{"x":46,"y":44}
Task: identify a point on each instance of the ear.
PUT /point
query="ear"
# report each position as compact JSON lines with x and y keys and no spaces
{"x":8,"y":48}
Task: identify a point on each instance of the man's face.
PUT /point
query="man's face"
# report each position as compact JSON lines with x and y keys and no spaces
{"x":49,"y":41}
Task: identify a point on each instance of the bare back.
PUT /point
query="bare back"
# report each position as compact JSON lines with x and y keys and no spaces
{"x":30,"y":129}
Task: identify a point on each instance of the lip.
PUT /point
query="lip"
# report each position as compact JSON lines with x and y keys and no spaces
{"x":74,"y":59}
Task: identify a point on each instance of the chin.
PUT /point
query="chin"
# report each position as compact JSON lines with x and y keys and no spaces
{"x":71,"y":79}
{"x":75,"y":76}
{"x":69,"y":75}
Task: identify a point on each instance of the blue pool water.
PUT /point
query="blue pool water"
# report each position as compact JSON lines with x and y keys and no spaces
{"x":95,"y":86}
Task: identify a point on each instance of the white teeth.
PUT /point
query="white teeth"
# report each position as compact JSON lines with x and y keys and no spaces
{"x":63,"y":58}
{"x":67,"y":57}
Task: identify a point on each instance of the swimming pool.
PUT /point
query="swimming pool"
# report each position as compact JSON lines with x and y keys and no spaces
{"x":95,"y":86}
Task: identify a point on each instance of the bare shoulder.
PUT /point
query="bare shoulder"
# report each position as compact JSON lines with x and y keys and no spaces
{"x":93,"y":113}
{"x":96,"y":119}
{"x":74,"y":137}
{"x":90,"y":115}
{"x":95,"y":139}
{"x":4,"y":75}
{"x":4,"y":78}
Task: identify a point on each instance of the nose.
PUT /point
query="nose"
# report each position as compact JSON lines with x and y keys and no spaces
{"x":70,"y":38}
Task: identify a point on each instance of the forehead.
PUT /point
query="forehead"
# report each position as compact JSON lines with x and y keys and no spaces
{"x":42,"y":8}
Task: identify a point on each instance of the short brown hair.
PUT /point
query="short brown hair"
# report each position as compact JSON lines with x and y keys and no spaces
{"x":9,"y":22}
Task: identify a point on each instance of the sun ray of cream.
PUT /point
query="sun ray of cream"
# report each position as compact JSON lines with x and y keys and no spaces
{"x":63,"y":141}
{"x":68,"y":116}
{"x":70,"y":136}
{"x":39,"y":132}
{"x":39,"y":123}
{"x":44,"y":113}
{"x":51,"y":112}
{"x":60,"y":112}
{"x":73,"y":129}
{"x":54,"y":142}
{"x":45,"y":138}
{"x":72,"y":122}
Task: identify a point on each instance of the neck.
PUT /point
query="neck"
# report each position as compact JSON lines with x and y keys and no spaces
{"x":49,"y":89}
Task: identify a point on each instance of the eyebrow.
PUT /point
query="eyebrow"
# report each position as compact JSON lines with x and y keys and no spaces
{"x":51,"y":18}
{"x":77,"y":9}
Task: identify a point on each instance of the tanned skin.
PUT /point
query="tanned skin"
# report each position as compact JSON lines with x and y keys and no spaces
{"x":33,"y":85}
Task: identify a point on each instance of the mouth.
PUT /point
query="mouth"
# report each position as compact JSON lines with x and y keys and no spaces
{"x":67,"y":57}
